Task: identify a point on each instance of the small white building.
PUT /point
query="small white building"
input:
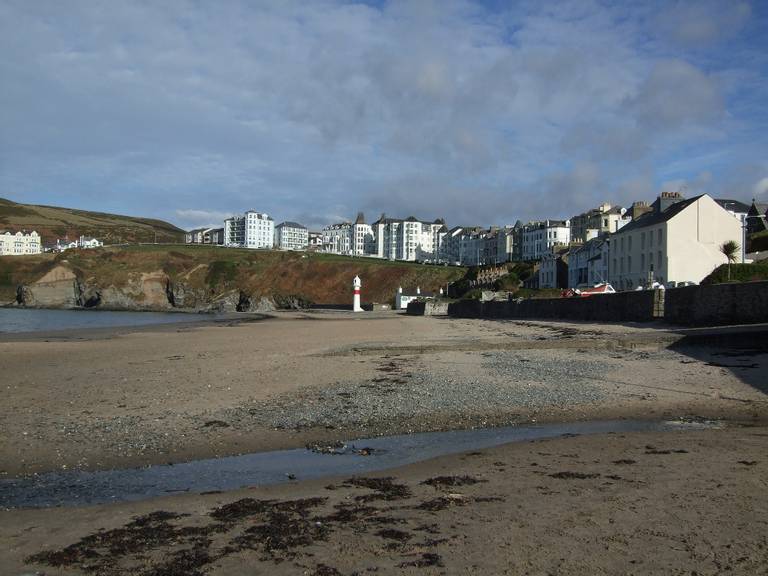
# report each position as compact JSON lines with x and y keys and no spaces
{"x":679,"y":240}
{"x":291,"y":236}
{"x":402,"y":299}
{"x":88,"y":242}
{"x":315,"y":240}
{"x":205,"y":236}
{"x":19,"y":243}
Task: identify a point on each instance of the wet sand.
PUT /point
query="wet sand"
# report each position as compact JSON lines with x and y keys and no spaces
{"x":644,"y":503}
{"x":641,"y":503}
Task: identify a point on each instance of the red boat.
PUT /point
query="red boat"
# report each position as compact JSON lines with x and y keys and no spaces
{"x":604,"y":288}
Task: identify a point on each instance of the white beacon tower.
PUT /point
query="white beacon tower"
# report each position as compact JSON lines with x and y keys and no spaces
{"x":356,"y":284}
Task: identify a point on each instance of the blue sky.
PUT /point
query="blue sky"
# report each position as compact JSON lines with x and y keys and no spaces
{"x":481,"y":113}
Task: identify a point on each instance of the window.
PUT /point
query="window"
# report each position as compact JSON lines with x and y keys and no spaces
{"x":629,"y":244}
{"x":658,"y":237}
{"x":642,"y":261}
{"x":642,"y":241}
{"x":629,"y":263}
{"x":659,"y":260}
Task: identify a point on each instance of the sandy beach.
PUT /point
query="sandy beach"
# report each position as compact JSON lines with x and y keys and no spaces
{"x":672,"y":502}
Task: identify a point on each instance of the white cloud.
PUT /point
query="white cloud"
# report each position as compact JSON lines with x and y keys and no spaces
{"x":317,"y":110}
{"x":761,"y":187}
{"x":201,"y":218}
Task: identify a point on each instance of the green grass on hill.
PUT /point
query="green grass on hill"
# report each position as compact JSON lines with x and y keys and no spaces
{"x":739,"y":273}
{"x":53,"y":222}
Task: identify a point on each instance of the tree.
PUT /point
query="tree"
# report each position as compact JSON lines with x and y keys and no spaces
{"x":730,"y":250}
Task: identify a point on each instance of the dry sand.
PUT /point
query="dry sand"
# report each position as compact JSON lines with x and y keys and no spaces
{"x":688,"y":502}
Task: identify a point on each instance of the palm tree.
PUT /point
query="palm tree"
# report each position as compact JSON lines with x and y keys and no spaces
{"x":731,"y":250}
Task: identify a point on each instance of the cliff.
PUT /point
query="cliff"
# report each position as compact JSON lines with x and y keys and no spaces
{"x":198,"y":278}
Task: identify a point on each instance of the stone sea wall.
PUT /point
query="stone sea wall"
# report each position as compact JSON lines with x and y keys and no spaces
{"x":717,"y":304}
{"x":712,"y":305}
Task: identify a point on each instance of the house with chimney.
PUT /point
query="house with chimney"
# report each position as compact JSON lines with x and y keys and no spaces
{"x":678,"y":240}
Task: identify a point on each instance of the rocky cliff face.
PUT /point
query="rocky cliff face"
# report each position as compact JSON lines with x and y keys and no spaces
{"x":154,"y":291}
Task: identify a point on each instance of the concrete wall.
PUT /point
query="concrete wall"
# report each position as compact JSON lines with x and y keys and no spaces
{"x":717,"y":304}
{"x":428,"y":308}
{"x":713,"y":305}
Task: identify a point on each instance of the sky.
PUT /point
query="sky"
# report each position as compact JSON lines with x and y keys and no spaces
{"x":479,"y":113}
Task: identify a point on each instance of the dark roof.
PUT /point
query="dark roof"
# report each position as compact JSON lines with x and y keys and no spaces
{"x":760,"y":208}
{"x":653,"y":218}
{"x":733,"y":205}
{"x":291,"y":225}
{"x":360,"y":218}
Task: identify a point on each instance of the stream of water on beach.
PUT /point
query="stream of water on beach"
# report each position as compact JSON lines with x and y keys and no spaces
{"x":77,"y":488}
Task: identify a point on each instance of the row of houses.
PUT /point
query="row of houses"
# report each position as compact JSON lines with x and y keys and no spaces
{"x":255,"y":230}
{"x":19,"y":243}
{"x":583,"y":250}
{"x":23,"y":242}
{"x":675,"y":241}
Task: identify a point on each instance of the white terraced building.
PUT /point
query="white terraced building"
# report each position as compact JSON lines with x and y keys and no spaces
{"x":538,"y":238}
{"x":291,"y":236}
{"x":677,"y":241}
{"x":337,"y":238}
{"x":19,"y":243}
{"x":408,"y":239}
{"x":252,"y":230}
{"x":350,"y":239}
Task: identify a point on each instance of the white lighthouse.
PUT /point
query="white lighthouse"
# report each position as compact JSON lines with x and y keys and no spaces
{"x":356,"y":284}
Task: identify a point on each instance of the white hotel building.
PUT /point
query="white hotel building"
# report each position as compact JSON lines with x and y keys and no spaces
{"x":252,"y":230}
{"x":408,"y":239}
{"x":19,"y":243}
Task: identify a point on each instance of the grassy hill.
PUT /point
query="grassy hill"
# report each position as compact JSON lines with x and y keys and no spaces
{"x":209,"y":271}
{"x":52,"y":222}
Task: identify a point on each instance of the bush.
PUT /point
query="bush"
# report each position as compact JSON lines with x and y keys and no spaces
{"x":510,"y":283}
{"x":739,"y":273}
{"x":474,"y":294}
